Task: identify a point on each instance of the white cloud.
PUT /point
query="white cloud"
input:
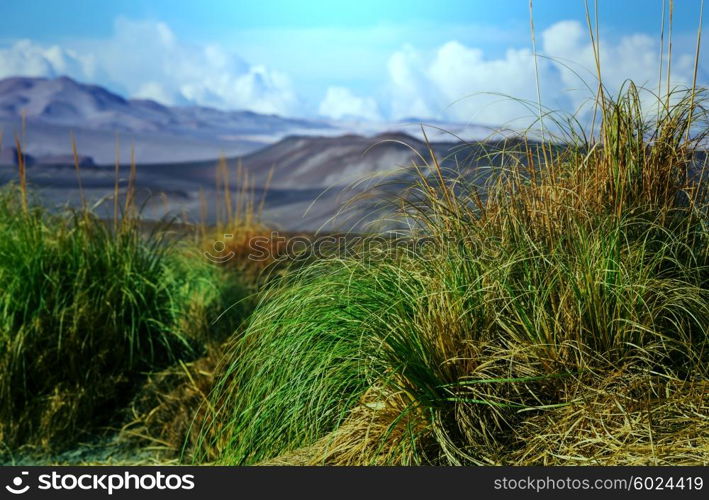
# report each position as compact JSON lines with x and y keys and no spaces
{"x":451,"y":81}
{"x":635,"y":57}
{"x":460,"y":83}
{"x":486,"y":89}
{"x":413,"y":94}
{"x":155,"y":91}
{"x":146,"y":59}
{"x":455,"y":82}
{"x":340,"y":102}
{"x":27,"y":58}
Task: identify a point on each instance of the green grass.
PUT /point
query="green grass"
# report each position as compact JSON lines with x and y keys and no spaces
{"x":302,"y":362}
{"x":559,"y":314}
{"x":86,"y":310}
{"x":570,"y":295}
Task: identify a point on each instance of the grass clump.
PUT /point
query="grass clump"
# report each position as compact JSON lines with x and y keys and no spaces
{"x":87,"y":308}
{"x":300,"y":356}
{"x":559,"y":314}
{"x":162,"y":413}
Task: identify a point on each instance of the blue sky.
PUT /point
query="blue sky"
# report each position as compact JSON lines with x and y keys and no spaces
{"x":379,"y":60}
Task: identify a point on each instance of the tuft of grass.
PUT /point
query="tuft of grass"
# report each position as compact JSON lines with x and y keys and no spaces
{"x":575,"y":265}
{"x":162,"y":414}
{"x":87,"y":308}
{"x":296,"y":374}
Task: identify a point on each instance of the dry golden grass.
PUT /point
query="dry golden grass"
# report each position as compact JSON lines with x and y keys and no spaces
{"x":623,"y":420}
{"x":360,"y":438}
{"x":605,"y":425}
{"x":528,"y":335}
{"x":165,"y":416}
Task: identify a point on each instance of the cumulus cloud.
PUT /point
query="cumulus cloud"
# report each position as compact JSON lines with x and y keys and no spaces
{"x":155,"y":91}
{"x":460,"y":83}
{"x":146,"y":59}
{"x":457,"y":82}
{"x":340,"y":102}
{"x":27,"y":58}
{"x":413,"y":94}
{"x":634,"y":56}
{"x":149,"y":60}
{"x":451,"y":81}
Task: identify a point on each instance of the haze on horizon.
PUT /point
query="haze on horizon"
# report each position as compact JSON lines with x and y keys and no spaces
{"x":337,"y":60}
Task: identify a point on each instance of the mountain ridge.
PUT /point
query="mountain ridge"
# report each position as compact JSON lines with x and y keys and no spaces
{"x":54,"y":109}
{"x":63,"y":100}
{"x":45,"y":112}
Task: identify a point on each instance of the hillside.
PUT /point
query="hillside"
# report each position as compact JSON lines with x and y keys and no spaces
{"x":54,"y":109}
{"x":311,"y":177}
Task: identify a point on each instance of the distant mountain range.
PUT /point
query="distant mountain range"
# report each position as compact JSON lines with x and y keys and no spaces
{"x":304,"y":181}
{"x":306,"y":168}
{"x":56,"y":108}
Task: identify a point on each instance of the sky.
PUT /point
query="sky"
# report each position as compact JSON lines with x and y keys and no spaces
{"x":450,"y":60}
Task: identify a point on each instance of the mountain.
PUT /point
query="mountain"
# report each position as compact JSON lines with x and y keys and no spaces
{"x":56,"y":108}
{"x":304,"y":181}
{"x":63,"y":101}
{"x":304,"y":169}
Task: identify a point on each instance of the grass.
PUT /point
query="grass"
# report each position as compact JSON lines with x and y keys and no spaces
{"x":162,"y":413}
{"x":559,"y":315}
{"x":86,"y":310}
